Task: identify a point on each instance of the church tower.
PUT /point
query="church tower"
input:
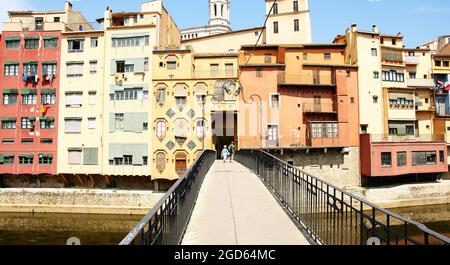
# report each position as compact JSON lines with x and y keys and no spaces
{"x":219,"y":16}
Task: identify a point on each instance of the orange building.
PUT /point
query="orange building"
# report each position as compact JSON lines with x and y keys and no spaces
{"x":310,"y":106}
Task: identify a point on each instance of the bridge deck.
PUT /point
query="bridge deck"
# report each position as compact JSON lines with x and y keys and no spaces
{"x":235,"y":208}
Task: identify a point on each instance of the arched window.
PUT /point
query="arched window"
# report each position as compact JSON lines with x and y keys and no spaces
{"x":161,"y":95}
{"x":181,"y":128}
{"x":180,"y":163}
{"x":161,"y":129}
{"x":161,"y":161}
{"x":200,"y":129}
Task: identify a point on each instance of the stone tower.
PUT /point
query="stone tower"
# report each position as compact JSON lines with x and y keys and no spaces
{"x":219,"y":15}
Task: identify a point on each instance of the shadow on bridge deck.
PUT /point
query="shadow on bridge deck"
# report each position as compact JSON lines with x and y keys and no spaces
{"x":235,"y":208}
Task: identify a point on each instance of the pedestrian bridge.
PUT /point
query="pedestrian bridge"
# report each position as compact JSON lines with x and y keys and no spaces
{"x":261,"y":200}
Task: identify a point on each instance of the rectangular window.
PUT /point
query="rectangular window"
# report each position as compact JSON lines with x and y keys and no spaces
{"x":28,"y":123}
{"x":9,"y":99}
{"x":120,"y":67}
{"x":8,"y":160}
{"x":424,"y":158}
{"x":47,"y":123}
{"x":7,"y":141}
{"x":446,"y":63}
{"x":30,"y":99}
{"x":32,"y":43}
{"x":119,"y":118}
{"x":146,"y":64}
{"x":50,"y":43}
{"x":327,"y":56}
{"x":57,"y":19}
{"x":140,"y":41}
{"x":441,"y":157}
{"x":296,"y":25}
{"x":376,"y":74}
{"x":74,"y":99}
{"x":76,"y":45}
{"x":93,"y":67}
{"x":412,"y":75}
{"x":275,"y":100}
{"x":48,"y":98}
{"x":45,"y":159}
{"x":401,"y":159}
{"x":386,"y":159}
{"x":437,"y":63}
{"x":128,"y":160}
{"x":75,"y":69}
{"x":94,"y":42}
{"x":275,"y":27}
{"x":30,"y":69}
{"x":26,"y":159}
{"x":9,"y":125}
{"x":91,"y":123}
{"x":12,"y":70}
{"x":181,"y":102}
{"x":275,"y":9}
{"x":129,"y":68}
{"x":92,"y":98}
{"x":27,"y":141}
{"x":39,"y":24}
{"x":375,"y":99}
{"x":72,"y":125}
{"x":214,"y":70}
{"x":295,"y":6}
{"x":13,"y":44}
{"x":74,"y":157}
{"x":259,"y":72}
{"x":49,"y":69}
{"x":46,"y":141}
{"x":229,"y":70}
{"x":374,"y":52}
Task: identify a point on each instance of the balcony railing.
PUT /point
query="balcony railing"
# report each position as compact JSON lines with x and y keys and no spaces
{"x":215,"y":74}
{"x":420,"y":82}
{"x":318,"y":108}
{"x":392,"y":57}
{"x":313,"y":79}
{"x":385,"y":138}
{"x":412,"y":60}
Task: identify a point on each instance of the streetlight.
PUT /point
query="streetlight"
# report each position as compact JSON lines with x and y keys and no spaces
{"x":240,"y":91}
{"x":204,"y":119}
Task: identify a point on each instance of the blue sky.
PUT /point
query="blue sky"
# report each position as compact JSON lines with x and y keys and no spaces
{"x":418,"y":20}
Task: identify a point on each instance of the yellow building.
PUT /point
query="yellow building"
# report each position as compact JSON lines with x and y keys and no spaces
{"x":80,"y":103}
{"x":129,"y":42}
{"x":189,"y":107}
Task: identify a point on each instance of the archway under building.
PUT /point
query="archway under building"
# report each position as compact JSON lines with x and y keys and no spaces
{"x":224,"y":125}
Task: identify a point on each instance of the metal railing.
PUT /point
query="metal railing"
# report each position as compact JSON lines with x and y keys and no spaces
{"x":331,"y":215}
{"x":166,"y":223}
{"x":307,"y":79}
{"x":387,"y":138}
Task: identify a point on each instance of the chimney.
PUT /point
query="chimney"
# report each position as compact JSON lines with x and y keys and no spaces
{"x":374,"y":29}
{"x":67,"y":6}
{"x":354,"y":27}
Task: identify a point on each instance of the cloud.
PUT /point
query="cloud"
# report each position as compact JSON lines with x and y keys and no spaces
{"x":6,"y":6}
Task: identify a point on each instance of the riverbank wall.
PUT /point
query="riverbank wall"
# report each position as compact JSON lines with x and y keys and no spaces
{"x":81,"y":201}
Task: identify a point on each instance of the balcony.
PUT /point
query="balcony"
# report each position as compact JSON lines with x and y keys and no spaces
{"x":392,"y":57}
{"x":231,"y":74}
{"x":385,"y":138}
{"x":318,"y":108}
{"x":412,"y":82}
{"x":307,"y":80}
{"x":412,"y":60}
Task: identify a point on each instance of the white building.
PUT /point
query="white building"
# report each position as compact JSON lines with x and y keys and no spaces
{"x":219,"y":21}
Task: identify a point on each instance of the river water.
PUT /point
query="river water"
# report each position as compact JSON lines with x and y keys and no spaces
{"x":55,"y":229}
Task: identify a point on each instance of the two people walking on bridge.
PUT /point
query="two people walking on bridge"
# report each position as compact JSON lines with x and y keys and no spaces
{"x":228,"y":153}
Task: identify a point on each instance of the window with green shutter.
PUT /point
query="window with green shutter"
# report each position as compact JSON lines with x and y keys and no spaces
{"x":90,"y":156}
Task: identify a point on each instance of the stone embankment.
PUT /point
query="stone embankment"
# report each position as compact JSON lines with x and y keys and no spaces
{"x":83,"y":201}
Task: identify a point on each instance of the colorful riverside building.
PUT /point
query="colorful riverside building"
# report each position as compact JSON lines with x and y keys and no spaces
{"x":30,"y":90}
{"x":396,"y":107}
{"x":309,"y":111}
{"x":441,"y":75}
{"x":191,"y":111}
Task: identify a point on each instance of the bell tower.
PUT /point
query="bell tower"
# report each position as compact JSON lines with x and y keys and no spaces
{"x":219,"y":13}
